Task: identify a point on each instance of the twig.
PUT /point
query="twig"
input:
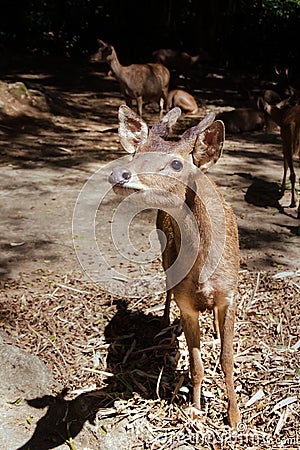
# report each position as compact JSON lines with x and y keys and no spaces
{"x":98,"y":372}
{"x":158,"y":383}
{"x":177,"y":388}
{"x":63,"y":286}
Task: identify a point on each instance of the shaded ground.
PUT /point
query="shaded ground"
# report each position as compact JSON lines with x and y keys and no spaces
{"x":91,"y":339}
{"x":47,"y":156}
{"x":127,"y":382}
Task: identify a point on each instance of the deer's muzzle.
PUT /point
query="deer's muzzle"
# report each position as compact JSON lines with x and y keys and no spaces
{"x":119,"y":176}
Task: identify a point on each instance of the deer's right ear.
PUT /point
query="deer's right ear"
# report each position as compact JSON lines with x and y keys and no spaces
{"x":283,"y":103}
{"x":133,"y":131}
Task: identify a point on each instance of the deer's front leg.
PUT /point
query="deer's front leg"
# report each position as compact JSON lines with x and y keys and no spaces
{"x":139,"y":101}
{"x":169,"y":255}
{"x":190,"y":324}
{"x":285,"y":167}
{"x":293,"y":182}
{"x":162,"y":105}
{"x":288,"y":162}
{"x":226,"y":315}
{"x":165,"y":320}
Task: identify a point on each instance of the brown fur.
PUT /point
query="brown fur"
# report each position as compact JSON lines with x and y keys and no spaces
{"x":288,"y":119}
{"x":210,"y":252}
{"x":182,"y":99}
{"x":141,"y":82}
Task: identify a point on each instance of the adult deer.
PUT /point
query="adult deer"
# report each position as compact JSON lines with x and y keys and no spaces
{"x":142,"y":82}
{"x":288,"y":119}
{"x":197,"y":229}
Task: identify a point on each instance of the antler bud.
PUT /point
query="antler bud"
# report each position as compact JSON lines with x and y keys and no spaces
{"x":163,"y":127}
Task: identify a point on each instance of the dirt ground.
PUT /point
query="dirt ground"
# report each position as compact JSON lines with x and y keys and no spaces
{"x":46,"y":158}
{"x":51,"y":217}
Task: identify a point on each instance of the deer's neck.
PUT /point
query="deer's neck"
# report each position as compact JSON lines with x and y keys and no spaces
{"x":210,"y":215}
{"x":115,"y":65}
{"x":188,"y":224}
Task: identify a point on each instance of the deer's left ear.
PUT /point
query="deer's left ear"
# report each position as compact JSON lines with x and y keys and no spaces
{"x":209,"y":146}
{"x":133,"y":131}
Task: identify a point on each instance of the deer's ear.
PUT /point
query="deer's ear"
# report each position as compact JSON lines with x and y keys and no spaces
{"x":209,"y":146}
{"x":133,"y":131}
{"x":283,"y":103}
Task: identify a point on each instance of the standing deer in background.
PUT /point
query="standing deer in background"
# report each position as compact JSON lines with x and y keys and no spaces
{"x":288,"y":119}
{"x":200,"y":237}
{"x":142,"y":82}
{"x":184,"y":101}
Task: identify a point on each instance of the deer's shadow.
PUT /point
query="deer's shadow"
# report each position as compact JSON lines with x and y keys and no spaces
{"x":138,"y":351}
{"x":263,"y":193}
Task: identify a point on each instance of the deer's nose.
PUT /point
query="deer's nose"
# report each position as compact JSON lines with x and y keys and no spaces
{"x":119,"y":176}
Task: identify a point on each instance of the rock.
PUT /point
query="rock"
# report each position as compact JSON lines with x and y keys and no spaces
{"x":19,"y":91}
{"x":22,"y":374}
{"x":18,"y":97}
{"x":32,"y":424}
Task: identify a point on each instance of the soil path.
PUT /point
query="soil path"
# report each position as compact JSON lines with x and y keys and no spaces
{"x":58,"y":218}
{"x":47,"y":157}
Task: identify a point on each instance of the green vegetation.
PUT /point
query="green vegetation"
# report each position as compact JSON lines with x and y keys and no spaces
{"x":236,"y":32}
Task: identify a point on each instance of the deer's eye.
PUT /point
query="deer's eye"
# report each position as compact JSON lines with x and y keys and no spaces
{"x":176,"y":165}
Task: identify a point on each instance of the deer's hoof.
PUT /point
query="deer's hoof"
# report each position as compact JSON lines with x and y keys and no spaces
{"x":234,"y":418}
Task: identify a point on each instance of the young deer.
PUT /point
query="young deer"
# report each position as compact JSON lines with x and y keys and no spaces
{"x":182,"y":99}
{"x":288,"y":119}
{"x":142,"y":82}
{"x":197,"y":229}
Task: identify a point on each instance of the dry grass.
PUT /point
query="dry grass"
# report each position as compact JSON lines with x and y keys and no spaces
{"x":113,"y":351}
